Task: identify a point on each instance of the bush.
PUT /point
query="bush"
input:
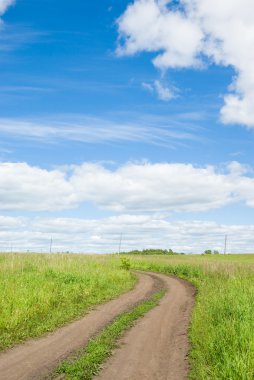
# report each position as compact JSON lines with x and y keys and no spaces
{"x":125,"y":263}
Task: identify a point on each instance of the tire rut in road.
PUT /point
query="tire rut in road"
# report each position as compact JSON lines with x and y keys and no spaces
{"x":37,"y":358}
{"x":156,"y":348}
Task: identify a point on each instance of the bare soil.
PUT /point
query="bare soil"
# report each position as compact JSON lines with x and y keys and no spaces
{"x":37,"y":358}
{"x":156,"y":348}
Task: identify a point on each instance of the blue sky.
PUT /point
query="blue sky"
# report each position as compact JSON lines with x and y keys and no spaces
{"x":126,"y":143}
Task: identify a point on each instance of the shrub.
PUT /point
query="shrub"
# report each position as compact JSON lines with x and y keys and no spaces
{"x":125,"y":263}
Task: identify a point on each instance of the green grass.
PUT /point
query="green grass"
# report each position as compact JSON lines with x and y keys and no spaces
{"x":88,"y":362}
{"x":222,"y":327}
{"x":41,"y":292}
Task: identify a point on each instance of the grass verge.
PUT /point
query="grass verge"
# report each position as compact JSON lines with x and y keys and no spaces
{"x":88,"y":362}
{"x":39,"y":293}
{"x":222,"y":327}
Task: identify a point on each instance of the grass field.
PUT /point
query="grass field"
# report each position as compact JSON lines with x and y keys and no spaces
{"x":41,"y":292}
{"x":222,"y":328}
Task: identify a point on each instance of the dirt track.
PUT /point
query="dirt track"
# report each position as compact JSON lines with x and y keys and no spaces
{"x":156,"y":348}
{"x":37,"y":358}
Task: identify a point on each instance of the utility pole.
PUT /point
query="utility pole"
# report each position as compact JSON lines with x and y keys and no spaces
{"x":225,"y":244}
{"x":50,"y":246}
{"x":120,"y":243}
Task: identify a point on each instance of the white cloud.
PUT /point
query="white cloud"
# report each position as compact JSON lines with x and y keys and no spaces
{"x":153,"y":187}
{"x":24,"y":187}
{"x":223,"y":31}
{"x":138,"y":232}
{"x":88,"y":129}
{"x":4,"y":4}
{"x":148,"y":86}
{"x":147,"y":25}
{"x":131,"y":188}
{"x":163,"y":92}
{"x":8,"y":222}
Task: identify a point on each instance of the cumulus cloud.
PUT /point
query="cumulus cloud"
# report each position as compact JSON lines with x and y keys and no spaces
{"x":153,"y":187}
{"x":24,"y":187}
{"x":138,"y":232}
{"x":180,"y":35}
{"x":4,"y":4}
{"x":148,"y":25}
{"x":131,"y":188}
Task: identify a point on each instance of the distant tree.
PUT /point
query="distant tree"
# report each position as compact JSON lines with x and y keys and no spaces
{"x":151,"y":251}
{"x":211,"y":252}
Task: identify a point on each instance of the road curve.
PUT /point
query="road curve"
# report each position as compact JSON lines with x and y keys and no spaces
{"x":37,"y":358}
{"x":156,"y":348}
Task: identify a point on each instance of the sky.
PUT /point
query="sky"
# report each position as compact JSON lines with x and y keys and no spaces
{"x":126,"y":120}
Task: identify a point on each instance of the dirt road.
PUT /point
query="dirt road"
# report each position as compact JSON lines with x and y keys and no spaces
{"x":37,"y":358}
{"x":156,"y":348}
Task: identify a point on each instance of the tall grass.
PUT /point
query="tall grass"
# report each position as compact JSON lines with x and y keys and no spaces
{"x":222,"y":327}
{"x":41,"y":292}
